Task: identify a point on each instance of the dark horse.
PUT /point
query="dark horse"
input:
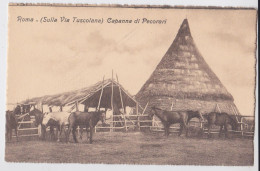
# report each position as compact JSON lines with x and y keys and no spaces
{"x":38,"y":121}
{"x":88,"y":119}
{"x":171,"y":117}
{"x":222,"y":120}
{"x":11,"y":123}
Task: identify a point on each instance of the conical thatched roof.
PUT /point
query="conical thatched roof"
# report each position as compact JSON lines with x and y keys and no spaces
{"x":183,"y":79}
{"x":90,"y":96}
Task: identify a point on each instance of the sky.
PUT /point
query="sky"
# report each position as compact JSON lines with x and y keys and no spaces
{"x":50,"y":58}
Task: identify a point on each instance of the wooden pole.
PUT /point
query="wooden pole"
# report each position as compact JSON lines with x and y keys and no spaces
{"x":241,"y":127}
{"x":137,"y":109}
{"x":171,"y":106}
{"x":125,"y":122}
{"x":112,"y":97}
{"x":234,"y":113}
{"x":101,"y":93}
{"x":218,"y":108}
{"x":77,"y":107}
{"x":42,"y":107}
{"x":145,"y":107}
{"x":153,"y":122}
{"x":112,"y":94}
{"x":122,"y":103}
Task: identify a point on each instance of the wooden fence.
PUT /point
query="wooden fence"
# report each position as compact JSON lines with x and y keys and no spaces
{"x":138,"y":123}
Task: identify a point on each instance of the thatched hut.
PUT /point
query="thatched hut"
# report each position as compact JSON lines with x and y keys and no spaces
{"x":184,"y":81}
{"x":103,"y":94}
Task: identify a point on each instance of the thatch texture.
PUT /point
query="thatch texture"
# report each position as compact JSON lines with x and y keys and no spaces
{"x":183,"y":75}
{"x":89,"y":96}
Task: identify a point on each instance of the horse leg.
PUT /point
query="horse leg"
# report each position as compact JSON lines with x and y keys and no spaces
{"x":209,"y":130}
{"x":226,"y":131}
{"x":185,"y":121}
{"x":10,"y":134}
{"x":186,"y":128}
{"x":220,"y":131}
{"x":16,"y":133}
{"x":57,"y":132}
{"x":65,"y":131}
{"x":6,"y":134}
{"x":91,"y":131}
{"x":43,"y":131}
{"x":166,"y":130}
{"x":68,"y":133}
{"x":81,"y":132}
{"x":74,"y":134}
{"x":51,"y":133}
{"x":90,"y":134}
{"x":181,"y":129}
{"x":60,"y":132}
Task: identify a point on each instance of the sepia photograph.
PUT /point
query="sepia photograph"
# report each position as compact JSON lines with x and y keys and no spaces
{"x":126,"y":84}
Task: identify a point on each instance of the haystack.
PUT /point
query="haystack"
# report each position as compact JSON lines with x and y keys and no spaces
{"x":184,"y":81}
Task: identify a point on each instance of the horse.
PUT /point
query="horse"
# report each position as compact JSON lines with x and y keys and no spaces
{"x":222,"y":120}
{"x":17,"y":110}
{"x":56,"y":119}
{"x":38,"y":121}
{"x":11,"y":123}
{"x":171,"y":117}
{"x":88,"y":119}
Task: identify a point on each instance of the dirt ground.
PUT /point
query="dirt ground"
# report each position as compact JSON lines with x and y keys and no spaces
{"x":136,"y":148}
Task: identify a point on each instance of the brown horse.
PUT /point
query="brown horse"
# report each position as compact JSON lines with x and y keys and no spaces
{"x":171,"y":117}
{"x":11,"y":123}
{"x":88,"y":119}
{"x":222,"y":120}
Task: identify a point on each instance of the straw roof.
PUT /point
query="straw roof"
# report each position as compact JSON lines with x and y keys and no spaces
{"x":89,"y":96}
{"x":183,"y":74}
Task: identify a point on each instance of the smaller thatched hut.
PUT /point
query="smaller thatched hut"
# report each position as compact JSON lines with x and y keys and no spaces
{"x":104,"y":94}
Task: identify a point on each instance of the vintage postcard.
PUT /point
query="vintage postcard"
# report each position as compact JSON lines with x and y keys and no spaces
{"x":131,"y":85}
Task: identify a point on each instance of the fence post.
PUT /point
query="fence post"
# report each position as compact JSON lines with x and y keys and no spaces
{"x":112,"y":123}
{"x":241,"y":126}
{"x":125,"y":122}
{"x":153,"y":122}
{"x":138,"y":122}
{"x":39,"y":130}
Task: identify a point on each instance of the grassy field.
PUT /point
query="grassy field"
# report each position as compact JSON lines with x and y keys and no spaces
{"x":136,"y":148}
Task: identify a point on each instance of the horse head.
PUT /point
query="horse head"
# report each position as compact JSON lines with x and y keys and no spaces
{"x":38,"y":118}
{"x":46,"y":119}
{"x":17,"y":110}
{"x":8,"y":115}
{"x":234,"y":123}
{"x":152,"y":112}
{"x":102,"y":116}
{"x":195,"y":114}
